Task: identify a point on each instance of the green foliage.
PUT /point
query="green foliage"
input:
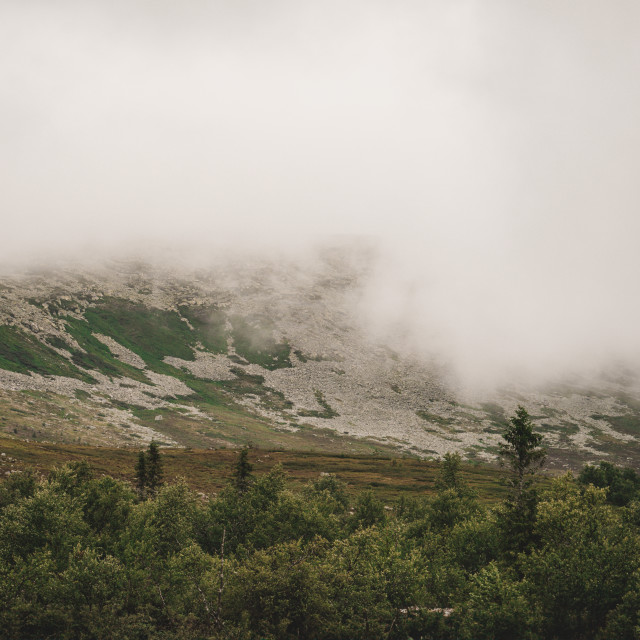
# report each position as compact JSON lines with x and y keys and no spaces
{"x":70,"y":478}
{"x":329,"y":494}
{"x":516,"y":521}
{"x":622,"y":484}
{"x":473,"y":542}
{"x":368,"y":510}
{"x":377,"y":584}
{"x":498,"y":608}
{"x":17,"y":487}
{"x":450,"y":476}
{"x":192,"y":585}
{"x":623,"y":622}
{"x":106,"y":506}
{"x":80,"y":557}
{"x":266,"y":513}
{"x":451,"y":506}
{"x":172,"y":519}
{"x":455,"y":502}
{"x":50,"y":520}
{"x":149,"y":471}
{"x":583,"y":562}
{"x":280,"y":592}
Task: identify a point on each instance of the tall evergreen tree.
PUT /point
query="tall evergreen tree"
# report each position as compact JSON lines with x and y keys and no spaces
{"x":522,"y":451}
{"x":242,"y":476}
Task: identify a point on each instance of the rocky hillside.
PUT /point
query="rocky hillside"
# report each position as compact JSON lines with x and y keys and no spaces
{"x":269,"y":352}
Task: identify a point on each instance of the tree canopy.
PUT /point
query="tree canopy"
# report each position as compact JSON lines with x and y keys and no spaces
{"x":86,"y":557}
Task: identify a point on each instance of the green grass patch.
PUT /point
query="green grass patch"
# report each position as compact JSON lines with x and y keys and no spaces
{"x":58,"y":343}
{"x":629,"y":423}
{"x":149,"y":332}
{"x":96,"y":354}
{"x":206,"y":393}
{"x":23,"y":353}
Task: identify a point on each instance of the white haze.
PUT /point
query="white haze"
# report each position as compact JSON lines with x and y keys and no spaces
{"x":491,"y":148}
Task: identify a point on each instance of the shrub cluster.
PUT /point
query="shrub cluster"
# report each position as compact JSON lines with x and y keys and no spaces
{"x":86,"y":557}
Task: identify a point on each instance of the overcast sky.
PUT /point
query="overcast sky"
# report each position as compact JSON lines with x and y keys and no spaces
{"x":493,"y":148}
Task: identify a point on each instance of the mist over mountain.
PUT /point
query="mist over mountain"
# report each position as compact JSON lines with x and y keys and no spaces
{"x":490,"y":150}
{"x":487,"y":154}
{"x":278,"y":352}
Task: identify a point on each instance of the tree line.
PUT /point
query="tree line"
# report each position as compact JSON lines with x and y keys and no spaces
{"x":85,"y":557}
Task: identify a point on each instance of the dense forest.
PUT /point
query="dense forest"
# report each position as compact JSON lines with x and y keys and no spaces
{"x":83,"y":556}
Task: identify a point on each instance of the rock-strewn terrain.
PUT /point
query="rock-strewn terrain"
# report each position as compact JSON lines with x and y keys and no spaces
{"x":269,"y":352}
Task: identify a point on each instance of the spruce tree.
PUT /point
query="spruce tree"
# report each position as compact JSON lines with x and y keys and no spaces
{"x":522,"y":451}
{"x":242,"y":476}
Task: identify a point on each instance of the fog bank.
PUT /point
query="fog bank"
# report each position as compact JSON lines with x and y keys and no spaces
{"x":490,"y":150}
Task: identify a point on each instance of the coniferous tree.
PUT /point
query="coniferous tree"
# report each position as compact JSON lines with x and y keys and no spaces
{"x":522,"y":451}
{"x":141,"y":475}
{"x":154,"y":468}
{"x":450,"y":476}
{"x":242,"y":476}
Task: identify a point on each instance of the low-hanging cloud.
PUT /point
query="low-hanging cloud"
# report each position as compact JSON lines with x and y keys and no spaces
{"x":491,"y":148}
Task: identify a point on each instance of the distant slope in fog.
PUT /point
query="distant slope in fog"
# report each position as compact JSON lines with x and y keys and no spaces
{"x":270,"y":352}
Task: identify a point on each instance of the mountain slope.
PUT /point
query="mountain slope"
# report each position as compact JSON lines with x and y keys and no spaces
{"x":270,"y":352}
